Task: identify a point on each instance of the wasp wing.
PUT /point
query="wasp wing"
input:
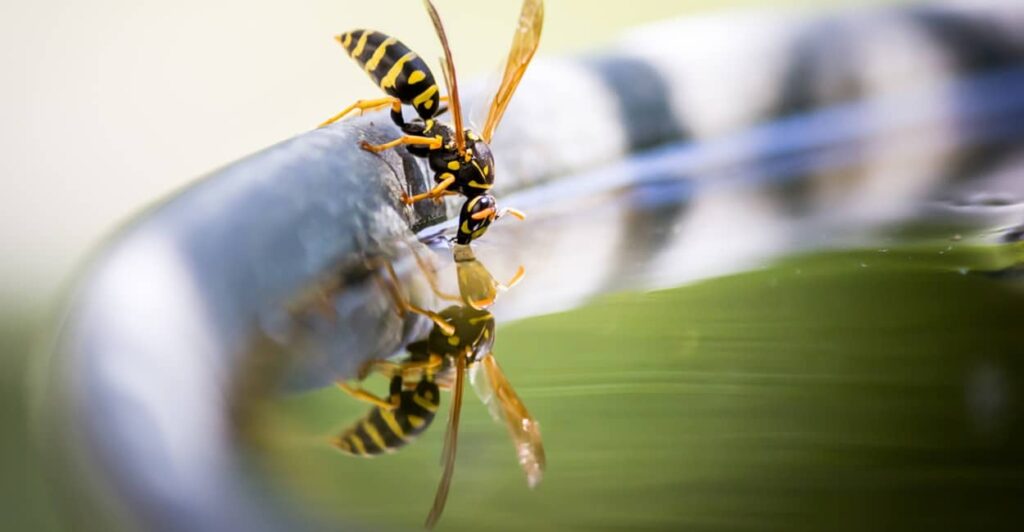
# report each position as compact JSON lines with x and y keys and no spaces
{"x":448,"y":68}
{"x":524,"y":45}
{"x":505,"y":406}
{"x":450,"y":444}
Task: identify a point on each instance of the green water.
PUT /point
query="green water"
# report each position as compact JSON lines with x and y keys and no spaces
{"x":858,"y":390}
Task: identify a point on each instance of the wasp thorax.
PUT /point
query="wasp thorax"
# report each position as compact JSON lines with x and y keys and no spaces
{"x":480,"y":162}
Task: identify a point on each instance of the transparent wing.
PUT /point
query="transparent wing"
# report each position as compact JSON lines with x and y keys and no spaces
{"x":448,"y":68}
{"x":450,"y":444}
{"x":505,"y":406}
{"x":476,"y":112}
{"x":524,"y":45}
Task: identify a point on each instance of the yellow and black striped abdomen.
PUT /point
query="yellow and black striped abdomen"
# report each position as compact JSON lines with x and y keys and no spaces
{"x":386,"y":430}
{"x":395,"y":68}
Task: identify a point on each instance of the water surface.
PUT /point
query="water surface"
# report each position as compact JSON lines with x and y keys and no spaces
{"x":864,"y":389}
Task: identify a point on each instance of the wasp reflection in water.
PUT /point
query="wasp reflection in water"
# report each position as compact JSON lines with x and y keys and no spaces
{"x":460,"y":342}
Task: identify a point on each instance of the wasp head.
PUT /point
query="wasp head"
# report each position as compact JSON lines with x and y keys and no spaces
{"x":475,"y":217}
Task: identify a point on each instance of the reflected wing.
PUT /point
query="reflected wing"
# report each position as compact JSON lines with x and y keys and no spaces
{"x":497,"y":393}
{"x":450,"y":444}
{"x":524,"y":45}
{"x":448,"y":68}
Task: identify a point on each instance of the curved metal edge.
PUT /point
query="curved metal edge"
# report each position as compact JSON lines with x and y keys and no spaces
{"x":158,"y":323}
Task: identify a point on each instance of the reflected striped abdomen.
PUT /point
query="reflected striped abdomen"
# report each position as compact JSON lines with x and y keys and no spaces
{"x":395,"y":68}
{"x":384,"y":430}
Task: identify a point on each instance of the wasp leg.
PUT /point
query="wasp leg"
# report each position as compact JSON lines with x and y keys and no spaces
{"x":430,"y":274}
{"x":409,"y":368}
{"x":365,"y":105}
{"x":384,"y":367}
{"x":403,"y":305}
{"x":361,"y":394}
{"x":435,"y":192}
{"x":493,"y":214}
{"x":516,"y":213}
{"x":430,"y":364}
{"x":515,"y":279}
{"x":405,"y":369}
{"x":432,"y":143}
{"x":489,"y":212}
{"x":438,"y":319}
{"x":442,"y":109}
{"x":392,"y":287}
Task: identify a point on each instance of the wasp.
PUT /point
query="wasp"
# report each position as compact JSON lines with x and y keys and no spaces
{"x":461,"y":342}
{"x":461,"y":160}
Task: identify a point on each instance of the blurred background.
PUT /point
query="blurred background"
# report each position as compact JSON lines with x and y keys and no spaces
{"x":109,"y":106}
